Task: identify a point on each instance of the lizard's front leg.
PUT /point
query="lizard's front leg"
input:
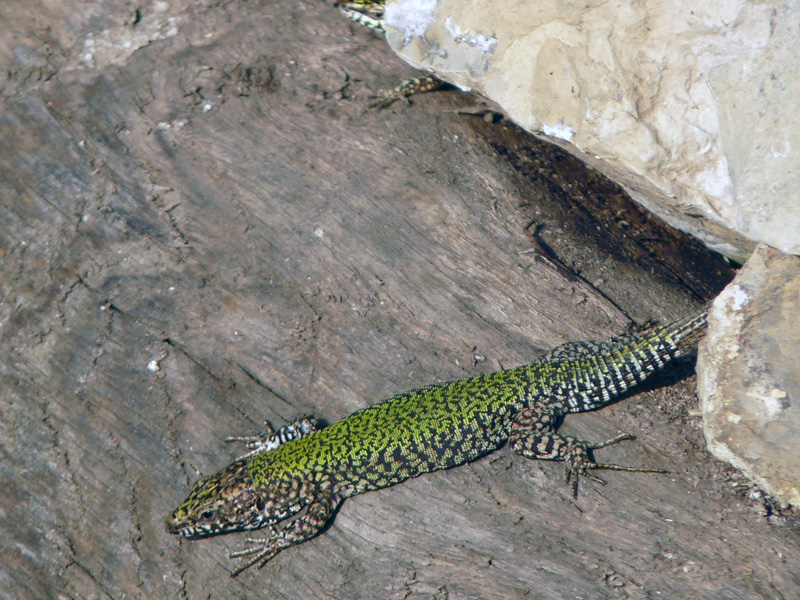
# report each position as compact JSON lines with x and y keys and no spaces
{"x":533,"y":435}
{"x":271,"y":439}
{"x":302,"y":528}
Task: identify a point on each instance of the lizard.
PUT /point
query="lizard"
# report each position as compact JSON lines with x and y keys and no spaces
{"x":435,"y":427}
{"x":271,"y":439}
{"x":370,"y":14}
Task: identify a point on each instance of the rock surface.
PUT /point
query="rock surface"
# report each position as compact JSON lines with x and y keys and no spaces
{"x":213,"y":229}
{"x":748,"y":377}
{"x":689,"y":106}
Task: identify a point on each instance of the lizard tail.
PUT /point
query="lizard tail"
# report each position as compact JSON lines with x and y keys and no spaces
{"x":684,"y":333}
{"x":596,"y":379}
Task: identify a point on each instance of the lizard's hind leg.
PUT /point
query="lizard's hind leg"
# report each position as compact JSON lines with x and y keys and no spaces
{"x":533,"y":435}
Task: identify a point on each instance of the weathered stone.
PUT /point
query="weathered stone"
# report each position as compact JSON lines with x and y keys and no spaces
{"x":689,"y":106}
{"x":748,"y":379}
{"x":213,"y":230}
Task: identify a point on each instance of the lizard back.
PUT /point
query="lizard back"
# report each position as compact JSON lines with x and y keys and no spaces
{"x":430,"y":428}
{"x":448,"y":424}
{"x":423,"y":430}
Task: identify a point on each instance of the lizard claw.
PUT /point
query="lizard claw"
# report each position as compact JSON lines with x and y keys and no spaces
{"x":579,"y":462}
{"x":271,"y":439}
{"x":264,"y":549}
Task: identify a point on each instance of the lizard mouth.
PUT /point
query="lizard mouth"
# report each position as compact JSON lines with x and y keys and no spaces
{"x":188,"y":530}
{"x":191,"y":532}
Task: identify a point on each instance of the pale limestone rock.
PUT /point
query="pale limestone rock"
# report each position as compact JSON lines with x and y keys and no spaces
{"x":690,"y":106}
{"x":748,"y":376}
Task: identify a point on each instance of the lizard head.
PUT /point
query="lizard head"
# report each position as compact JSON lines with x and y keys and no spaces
{"x":226,"y":501}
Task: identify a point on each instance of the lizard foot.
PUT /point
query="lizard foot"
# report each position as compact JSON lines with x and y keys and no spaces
{"x":579,"y":462}
{"x":262,"y":550}
{"x":270,"y":439}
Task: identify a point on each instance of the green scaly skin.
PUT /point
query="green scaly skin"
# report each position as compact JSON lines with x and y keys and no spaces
{"x":431,"y":428}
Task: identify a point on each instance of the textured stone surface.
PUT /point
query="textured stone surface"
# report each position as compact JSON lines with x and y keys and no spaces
{"x":748,"y":377}
{"x":689,"y":106}
{"x":213,"y":229}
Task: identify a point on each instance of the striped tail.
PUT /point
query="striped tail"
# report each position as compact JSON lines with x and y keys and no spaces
{"x":366,"y":13}
{"x":594,"y":378}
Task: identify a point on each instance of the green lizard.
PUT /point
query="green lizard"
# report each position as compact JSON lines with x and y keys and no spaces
{"x":434,"y":427}
{"x":370,"y":14}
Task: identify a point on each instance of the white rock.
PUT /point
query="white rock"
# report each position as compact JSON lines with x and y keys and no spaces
{"x":689,"y":106}
{"x":747,"y":376}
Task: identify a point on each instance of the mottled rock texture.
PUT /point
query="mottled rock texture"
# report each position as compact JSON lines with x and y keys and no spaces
{"x":748,"y":379}
{"x":203,"y":225}
{"x":689,"y":106}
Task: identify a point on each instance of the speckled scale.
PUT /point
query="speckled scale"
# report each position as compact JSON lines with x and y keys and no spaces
{"x":444,"y":425}
{"x":423,"y":430}
{"x":416,"y":432}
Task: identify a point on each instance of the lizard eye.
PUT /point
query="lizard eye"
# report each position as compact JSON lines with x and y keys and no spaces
{"x":207,"y":515}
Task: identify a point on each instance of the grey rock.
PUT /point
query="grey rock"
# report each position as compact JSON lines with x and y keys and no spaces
{"x":748,"y":377}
